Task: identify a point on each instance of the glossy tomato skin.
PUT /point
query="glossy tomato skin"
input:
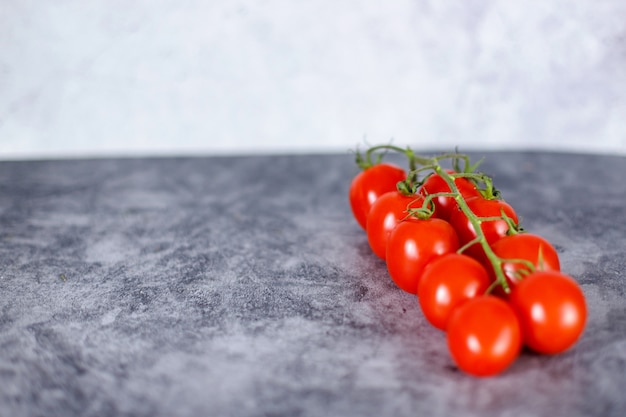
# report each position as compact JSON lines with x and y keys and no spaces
{"x":493,"y":229}
{"x":444,"y":205}
{"x":385,"y":214}
{"x":370,"y":184}
{"x":530,"y":247}
{"x":447,"y":282}
{"x":413,"y":244}
{"x":552,"y":311}
{"x":484,"y":336}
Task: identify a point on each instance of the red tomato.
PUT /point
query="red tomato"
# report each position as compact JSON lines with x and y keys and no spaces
{"x":412,"y":244}
{"x":492,"y":229}
{"x":484,"y":336}
{"x":444,"y":205}
{"x":526,"y":246}
{"x":447,"y":282}
{"x":385,"y":214}
{"x":370,"y":184}
{"x":552,"y":311}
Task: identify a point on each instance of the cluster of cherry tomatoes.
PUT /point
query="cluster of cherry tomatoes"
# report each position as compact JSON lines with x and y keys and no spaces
{"x":447,"y":236}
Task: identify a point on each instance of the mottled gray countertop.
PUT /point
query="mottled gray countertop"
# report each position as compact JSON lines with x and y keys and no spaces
{"x":241,"y":286}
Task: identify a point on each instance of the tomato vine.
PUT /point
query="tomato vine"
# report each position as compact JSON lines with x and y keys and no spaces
{"x":435,"y":221}
{"x":419,"y":164}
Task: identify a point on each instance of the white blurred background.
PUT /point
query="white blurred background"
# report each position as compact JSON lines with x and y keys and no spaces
{"x":115,"y":77}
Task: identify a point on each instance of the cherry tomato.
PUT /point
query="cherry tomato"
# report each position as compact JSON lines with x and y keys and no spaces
{"x":530,"y":247}
{"x":385,"y":214}
{"x":370,"y":184}
{"x":552,"y":311}
{"x":444,"y":205}
{"x":492,"y":229}
{"x":446,"y":283}
{"x":484,"y":336}
{"x":412,"y":244}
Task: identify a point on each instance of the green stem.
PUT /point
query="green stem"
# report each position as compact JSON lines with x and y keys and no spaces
{"x":484,"y":184}
{"x":414,"y":161}
{"x":476,"y":222}
{"x":468,"y":244}
{"x":529,"y":265}
{"x":428,"y":199}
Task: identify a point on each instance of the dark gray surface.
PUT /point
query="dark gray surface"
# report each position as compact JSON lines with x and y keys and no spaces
{"x":243,"y":287}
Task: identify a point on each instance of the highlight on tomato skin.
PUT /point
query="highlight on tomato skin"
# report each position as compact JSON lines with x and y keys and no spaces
{"x":384,"y":215}
{"x":484,"y":336}
{"x":552,"y":310}
{"x":368,"y":185}
{"x":447,"y":282}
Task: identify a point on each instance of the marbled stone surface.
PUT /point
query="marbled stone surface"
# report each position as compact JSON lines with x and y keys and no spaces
{"x":243,"y":287}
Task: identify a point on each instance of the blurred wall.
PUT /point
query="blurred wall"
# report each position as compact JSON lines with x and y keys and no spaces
{"x":111,"y":77}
